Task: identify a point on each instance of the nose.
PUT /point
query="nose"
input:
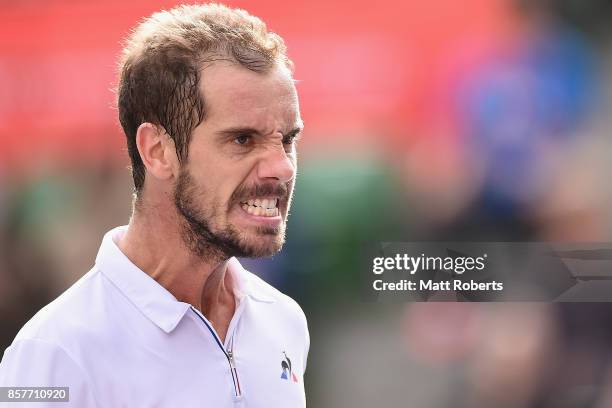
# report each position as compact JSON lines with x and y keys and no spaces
{"x":277,"y":164}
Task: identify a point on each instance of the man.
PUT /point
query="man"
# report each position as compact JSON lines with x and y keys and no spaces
{"x":168,"y":317}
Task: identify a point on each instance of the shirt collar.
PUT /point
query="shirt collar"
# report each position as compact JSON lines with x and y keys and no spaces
{"x":249,"y":284}
{"x":152,"y":299}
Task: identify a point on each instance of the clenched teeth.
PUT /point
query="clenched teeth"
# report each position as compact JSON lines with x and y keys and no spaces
{"x":267,"y":207}
{"x":267,"y":203}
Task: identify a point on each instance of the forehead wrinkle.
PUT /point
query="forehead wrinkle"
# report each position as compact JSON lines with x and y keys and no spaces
{"x":257,"y":114}
{"x":267,"y":104}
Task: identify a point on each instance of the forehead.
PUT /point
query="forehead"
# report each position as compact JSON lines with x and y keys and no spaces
{"x":237,"y":96}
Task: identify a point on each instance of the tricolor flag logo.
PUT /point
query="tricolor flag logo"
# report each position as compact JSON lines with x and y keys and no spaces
{"x":287,"y":372}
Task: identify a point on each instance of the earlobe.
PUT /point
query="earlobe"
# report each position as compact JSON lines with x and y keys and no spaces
{"x":153,"y":145}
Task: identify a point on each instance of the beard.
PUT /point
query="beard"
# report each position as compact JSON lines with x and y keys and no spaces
{"x":212,"y":242}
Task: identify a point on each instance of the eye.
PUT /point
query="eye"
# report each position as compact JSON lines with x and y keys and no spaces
{"x":290,"y":139}
{"x":242,"y":139}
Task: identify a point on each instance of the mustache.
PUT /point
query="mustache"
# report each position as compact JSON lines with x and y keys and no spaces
{"x":244,"y":193}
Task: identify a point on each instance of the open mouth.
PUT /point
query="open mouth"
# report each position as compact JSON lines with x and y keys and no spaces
{"x":263,"y":207}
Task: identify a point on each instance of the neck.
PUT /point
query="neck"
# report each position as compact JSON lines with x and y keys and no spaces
{"x":153,"y":242}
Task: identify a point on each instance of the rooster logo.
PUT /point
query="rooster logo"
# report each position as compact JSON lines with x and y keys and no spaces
{"x":287,"y":372}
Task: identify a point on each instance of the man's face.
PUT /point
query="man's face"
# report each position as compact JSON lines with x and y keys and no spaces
{"x":234,"y":192}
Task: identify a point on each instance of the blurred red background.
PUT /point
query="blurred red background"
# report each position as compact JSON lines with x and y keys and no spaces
{"x":364,"y":67}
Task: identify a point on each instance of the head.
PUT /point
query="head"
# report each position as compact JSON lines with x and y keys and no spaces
{"x":208,"y":104}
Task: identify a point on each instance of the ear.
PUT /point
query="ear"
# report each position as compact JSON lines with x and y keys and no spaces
{"x":157,"y":151}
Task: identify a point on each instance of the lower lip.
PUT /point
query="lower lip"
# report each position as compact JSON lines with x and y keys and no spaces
{"x":274,"y":221}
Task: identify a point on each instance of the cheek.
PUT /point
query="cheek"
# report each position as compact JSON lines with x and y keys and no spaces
{"x":226,"y":185}
{"x":214,"y":175}
{"x":221,"y":175}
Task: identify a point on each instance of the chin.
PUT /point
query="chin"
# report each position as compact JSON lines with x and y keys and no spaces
{"x":265,"y":243}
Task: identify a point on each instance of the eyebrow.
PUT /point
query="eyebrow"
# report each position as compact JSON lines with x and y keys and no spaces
{"x":233,"y":131}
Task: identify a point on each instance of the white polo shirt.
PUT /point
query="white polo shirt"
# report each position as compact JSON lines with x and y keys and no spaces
{"x":119,"y":339}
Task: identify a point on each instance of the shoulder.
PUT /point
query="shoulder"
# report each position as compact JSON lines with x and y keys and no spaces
{"x":283,"y":305}
{"x":40,"y":363}
{"x":71,"y":316}
{"x":287,"y":314}
{"x":266,"y":292}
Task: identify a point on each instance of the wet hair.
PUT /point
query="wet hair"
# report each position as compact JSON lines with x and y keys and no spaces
{"x":161,"y":66}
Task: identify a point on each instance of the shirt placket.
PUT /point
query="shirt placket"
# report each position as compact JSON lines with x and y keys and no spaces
{"x":228,"y":349}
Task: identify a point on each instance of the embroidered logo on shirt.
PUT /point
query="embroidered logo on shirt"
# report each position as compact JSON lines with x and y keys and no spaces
{"x":287,"y":372}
